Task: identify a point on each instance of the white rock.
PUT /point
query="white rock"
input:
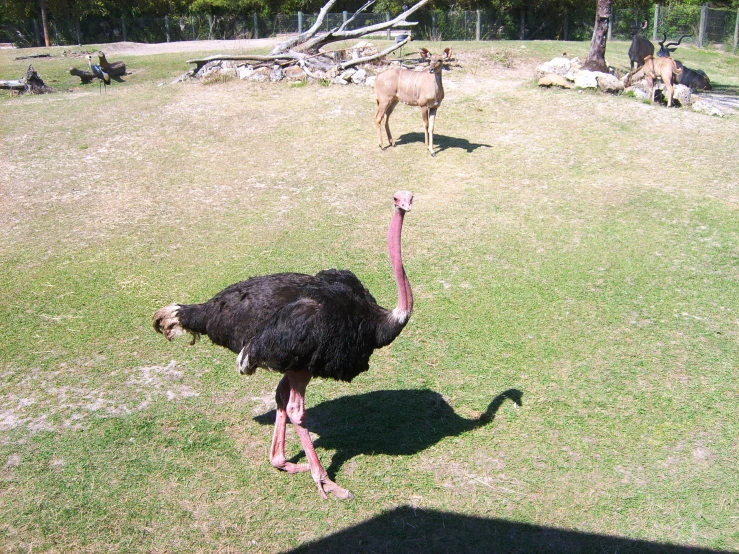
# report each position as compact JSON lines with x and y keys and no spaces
{"x":359,"y":77}
{"x":245,"y":71}
{"x":609,"y":83}
{"x":277,"y":74}
{"x":683,"y":95}
{"x":347,"y":75}
{"x":586,"y":79}
{"x":557,"y":66}
{"x":702,"y":106}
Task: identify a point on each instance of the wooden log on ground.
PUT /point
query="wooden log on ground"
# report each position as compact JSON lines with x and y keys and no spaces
{"x":85,"y":76}
{"x":16,"y":84}
{"x":115,"y":69}
{"x":30,"y":84}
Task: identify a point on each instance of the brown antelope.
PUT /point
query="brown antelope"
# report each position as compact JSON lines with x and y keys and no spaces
{"x":653,"y":68}
{"x":415,"y":88}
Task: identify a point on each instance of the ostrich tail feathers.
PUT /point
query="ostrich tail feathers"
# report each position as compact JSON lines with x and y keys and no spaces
{"x":167,"y":322}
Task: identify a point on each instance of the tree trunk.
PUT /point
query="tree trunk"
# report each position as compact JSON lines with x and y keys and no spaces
{"x":596,"y":60}
{"x":44,"y":23}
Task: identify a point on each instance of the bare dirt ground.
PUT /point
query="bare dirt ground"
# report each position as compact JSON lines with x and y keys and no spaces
{"x":142,"y":49}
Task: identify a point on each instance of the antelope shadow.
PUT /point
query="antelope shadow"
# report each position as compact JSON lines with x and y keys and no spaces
{"x":392,"y":422}
{"x":409,"y":530}
{"x":442,"y":142}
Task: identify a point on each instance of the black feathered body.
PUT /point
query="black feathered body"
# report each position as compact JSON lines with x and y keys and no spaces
{"x":328,"y":324}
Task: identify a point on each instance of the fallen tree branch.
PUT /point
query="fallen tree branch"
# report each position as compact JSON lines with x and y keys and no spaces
{"x":16,"y":84}
{"x":356,"y":13}
{"x":311,"y":42}
{"x":199,"y":63}
{"x":295,"y":41}
{"x":85,"y":76}
{"x":350,"y":63}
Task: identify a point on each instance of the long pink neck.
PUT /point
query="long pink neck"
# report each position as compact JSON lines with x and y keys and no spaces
{"x":405,"y":295}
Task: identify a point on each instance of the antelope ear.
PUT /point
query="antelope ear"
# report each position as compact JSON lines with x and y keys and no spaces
{"x":447,"y":53}
{"x":425,"y":53}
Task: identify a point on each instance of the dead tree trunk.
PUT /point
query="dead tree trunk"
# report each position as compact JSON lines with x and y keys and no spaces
{"x":30,"y":84}
{"x":311,"y":41}
{"x":304,"y":50}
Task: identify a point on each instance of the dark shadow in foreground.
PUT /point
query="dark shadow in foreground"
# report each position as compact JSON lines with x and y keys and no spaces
{"x":441,"y":142}
{"x":391,"y":422}
{"x":405,"y":530}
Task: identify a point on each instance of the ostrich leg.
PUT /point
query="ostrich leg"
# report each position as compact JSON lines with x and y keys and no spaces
{"x":277,"y":454}
{"x":296,"y":412}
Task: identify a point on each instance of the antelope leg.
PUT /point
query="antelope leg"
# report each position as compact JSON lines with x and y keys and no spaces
{"x":432,"y":120}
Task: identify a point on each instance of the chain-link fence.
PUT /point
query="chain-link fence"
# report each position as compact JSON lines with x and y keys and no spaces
{"x":705,"y":25}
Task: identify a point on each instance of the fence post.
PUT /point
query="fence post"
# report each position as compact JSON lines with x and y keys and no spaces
{"x":387,"y":19}
{"x":79,"y":32}
{"x":609,"y":36}
{"x":433,"y":25}
{"x":166,"y":26}
{"x":256,"y":25}
{"x":300,"y":22}
{"x":522,"y":34}
{"x":655,"y":26}
{"x":123,"y":28}
{"x":567,"y":26}
{"x":479,"y":27}
{"x":344,"y":16}
{"x":703,"y":24}
{"x":736,"y":31}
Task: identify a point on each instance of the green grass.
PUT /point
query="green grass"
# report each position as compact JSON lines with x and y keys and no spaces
{"x":580,"y":250}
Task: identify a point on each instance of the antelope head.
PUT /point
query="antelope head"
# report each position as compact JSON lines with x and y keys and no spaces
{"x":665,"y":50}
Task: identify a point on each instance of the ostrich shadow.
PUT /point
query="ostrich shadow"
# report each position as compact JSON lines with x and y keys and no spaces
{"x":391,"y":422}
{"x":442,"y":142}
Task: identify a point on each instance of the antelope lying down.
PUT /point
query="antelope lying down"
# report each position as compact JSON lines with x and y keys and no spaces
{"x":653,"y":68}
{"x":415,"y":88}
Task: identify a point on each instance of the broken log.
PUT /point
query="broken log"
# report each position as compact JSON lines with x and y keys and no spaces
{"x":30,"y":84}
{"x":16,"y":84}
{"x":85,"y":76}
{"x":115,"y":69}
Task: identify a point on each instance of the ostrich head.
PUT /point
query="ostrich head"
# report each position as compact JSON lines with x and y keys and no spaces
{"x":403,"y":200}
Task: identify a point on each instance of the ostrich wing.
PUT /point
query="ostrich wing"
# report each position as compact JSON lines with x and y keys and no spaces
{"x":330,"y":332}
{"x":287,"y":340}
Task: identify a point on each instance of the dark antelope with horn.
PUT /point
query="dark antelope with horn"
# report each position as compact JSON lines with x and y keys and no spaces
{"x":665,"y":50}
{"x":640,"y":47}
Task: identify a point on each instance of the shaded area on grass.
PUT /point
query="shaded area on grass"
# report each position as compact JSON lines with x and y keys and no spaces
{"x":408,"y":530}
{"x":391,"y":422}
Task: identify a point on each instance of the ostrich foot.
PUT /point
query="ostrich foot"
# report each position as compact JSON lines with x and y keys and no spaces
{"x":325,"y":485}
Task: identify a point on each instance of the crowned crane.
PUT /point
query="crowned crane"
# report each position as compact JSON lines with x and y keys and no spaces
{"x":97,"y":71}
{"x":302,"y":326}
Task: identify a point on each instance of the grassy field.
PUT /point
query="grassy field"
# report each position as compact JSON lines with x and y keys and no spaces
{"x":568,"y":381}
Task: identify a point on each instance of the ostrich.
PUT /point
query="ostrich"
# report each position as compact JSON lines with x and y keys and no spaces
{"x":97,"y":71}
{"x":303,"y":326}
